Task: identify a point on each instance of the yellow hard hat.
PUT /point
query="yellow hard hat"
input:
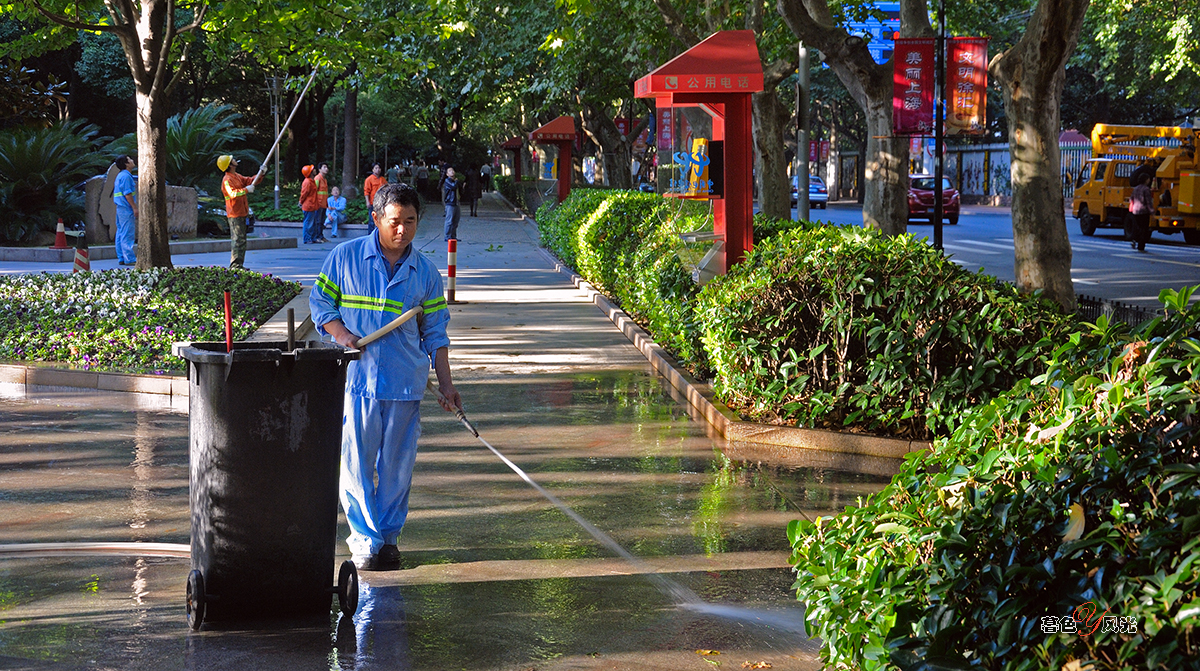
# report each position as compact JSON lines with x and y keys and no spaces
{"x":223,"y":161}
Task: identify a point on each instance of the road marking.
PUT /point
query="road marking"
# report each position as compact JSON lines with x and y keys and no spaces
{"x":1151,"y":258}
{"x":968,"y":249}
{"x":1007,"y":248}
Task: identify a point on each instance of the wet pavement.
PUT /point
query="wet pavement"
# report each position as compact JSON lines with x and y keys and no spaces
{"x":493,"y":576}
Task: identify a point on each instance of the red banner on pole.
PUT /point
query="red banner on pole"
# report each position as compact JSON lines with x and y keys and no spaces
{"x":912,"y":86}
{"x":966,"y":86}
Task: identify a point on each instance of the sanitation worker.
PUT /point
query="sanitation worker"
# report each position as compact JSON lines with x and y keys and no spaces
{"x":125,"y":198}
{"x":322,"y":181}
{"x":372,"y":183}
{"x":235,"y":187}
{"x":308,"y":205}
{"x":364,"y":284}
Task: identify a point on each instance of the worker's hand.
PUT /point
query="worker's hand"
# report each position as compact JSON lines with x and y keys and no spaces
{"x":449,"y":398}
{"x":342,"y":335}
{"x":250,"y":188}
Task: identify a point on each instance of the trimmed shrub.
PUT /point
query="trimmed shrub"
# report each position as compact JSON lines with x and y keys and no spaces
{"x":1073,"y":498}
{"x":834,"y":327}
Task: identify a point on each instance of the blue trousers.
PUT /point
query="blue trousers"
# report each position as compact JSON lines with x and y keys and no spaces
{"x":312,"y":225}
{"x":379,"y":449}
{"x":125,"y":229}
{"x":452,"y":215}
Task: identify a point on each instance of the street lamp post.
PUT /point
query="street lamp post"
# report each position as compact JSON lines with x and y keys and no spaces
{"x":939,"y":123}
{"x":802,"y":149}
{"x":273,"y":88}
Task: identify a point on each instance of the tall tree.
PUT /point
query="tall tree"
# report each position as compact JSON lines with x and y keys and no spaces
{"x":819,"y":26}
{"x":148,"y":32}
{"x":1032,"y":74}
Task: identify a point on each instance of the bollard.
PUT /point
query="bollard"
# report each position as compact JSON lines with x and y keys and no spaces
{"x":82,"y":264}
{"x":451,"y":263}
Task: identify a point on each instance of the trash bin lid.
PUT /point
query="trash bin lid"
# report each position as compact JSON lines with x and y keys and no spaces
{"x":268,"y":350}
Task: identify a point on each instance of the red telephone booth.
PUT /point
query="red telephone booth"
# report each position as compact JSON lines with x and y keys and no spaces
{"x":718,"y":75}
{"x":514,"y":145}
{"x":560,"y":132}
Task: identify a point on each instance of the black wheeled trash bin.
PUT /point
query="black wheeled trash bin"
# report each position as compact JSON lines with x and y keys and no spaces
{"x":265,"y":445}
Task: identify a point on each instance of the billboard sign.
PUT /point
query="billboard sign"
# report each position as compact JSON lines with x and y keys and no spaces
{"x":879,"y":34}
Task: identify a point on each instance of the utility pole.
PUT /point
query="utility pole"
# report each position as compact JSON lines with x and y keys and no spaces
{"x":273,"y":88}
{"x":939,"y":125}
{"x":802,"y":143}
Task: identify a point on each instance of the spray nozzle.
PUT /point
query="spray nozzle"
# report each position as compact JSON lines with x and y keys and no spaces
{"x":458,"y":412}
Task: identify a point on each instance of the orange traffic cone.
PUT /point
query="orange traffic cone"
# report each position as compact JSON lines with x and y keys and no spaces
{"x":82,"y":264}
{"x":60,"y":236}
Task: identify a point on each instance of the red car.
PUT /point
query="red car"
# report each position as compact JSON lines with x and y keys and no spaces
{"x":920,"y":198}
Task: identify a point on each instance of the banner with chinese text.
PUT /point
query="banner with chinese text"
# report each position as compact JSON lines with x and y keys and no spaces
{"x":912,"y":85}
{"x":966,"y":85}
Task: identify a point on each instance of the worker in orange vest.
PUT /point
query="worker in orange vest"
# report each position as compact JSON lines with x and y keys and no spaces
{"x":308,"y":205}
{"x":322,"y":181}
{"x":235,"y":187}
{"x":372,"y":184}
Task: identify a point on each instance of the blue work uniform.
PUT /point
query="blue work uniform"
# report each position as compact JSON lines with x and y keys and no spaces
{"x":123,"y":186}
{"x":384,"y":387}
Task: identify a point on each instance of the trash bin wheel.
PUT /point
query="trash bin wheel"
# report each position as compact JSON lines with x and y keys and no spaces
{"x":347,"y":588}
{"x":195,"y":600}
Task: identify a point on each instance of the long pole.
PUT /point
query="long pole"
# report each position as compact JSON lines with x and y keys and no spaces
{"x":278,"y":137}
{"x":802,"y":142}
{"x":939,"y":124}
{"x":277,"y":98}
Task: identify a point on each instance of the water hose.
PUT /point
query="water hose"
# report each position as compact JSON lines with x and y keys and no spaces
{"x":391,"y":326}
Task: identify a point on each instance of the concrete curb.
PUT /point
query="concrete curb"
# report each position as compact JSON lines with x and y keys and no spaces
{"x":103,"y":252}
{"x":726,"y":422}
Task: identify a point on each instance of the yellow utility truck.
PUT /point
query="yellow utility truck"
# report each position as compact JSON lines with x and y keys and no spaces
{"x":1120,"y":153}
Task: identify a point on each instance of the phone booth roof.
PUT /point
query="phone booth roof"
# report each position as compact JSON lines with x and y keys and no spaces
{"x":725,"y":62}
{"x":561,"y":129}
{"x":514,"y":143}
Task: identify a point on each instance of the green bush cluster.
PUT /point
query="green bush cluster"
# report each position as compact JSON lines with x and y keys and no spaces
{"x":627,"y":244}
{"x":126,"y":320}
{"x":1074,"y":495}
{"x":836,"y":327}
{"x":263,"y":204}
{"x":512,"y":190}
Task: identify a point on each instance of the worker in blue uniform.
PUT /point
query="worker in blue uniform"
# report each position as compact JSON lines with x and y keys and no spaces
{"x":364,"y":284}
{"x":125,"y":198}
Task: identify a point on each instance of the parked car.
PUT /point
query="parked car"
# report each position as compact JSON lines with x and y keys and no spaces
{"x":920,"y":198}
{"x":818,"y":195}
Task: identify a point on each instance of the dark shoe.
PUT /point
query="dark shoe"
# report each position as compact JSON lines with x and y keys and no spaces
{"x":366,"y":562}
{"x":389,"y":558}
{"x":320,"y":241}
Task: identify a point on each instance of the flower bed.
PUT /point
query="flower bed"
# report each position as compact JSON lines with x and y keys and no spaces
{"x":125,"y":320}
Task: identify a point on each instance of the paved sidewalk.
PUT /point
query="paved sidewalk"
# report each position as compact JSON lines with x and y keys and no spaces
{"x":494,"y":577}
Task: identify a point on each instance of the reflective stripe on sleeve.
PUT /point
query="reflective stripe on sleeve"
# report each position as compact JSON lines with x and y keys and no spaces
{"x":434,"y":304}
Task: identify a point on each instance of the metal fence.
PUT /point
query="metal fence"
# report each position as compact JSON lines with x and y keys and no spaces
{"x":1090,"y":308}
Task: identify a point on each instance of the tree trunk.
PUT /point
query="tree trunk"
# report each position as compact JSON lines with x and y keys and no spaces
{"x":615,"y":148}
{"x":153,"y":239}
{"x":350,"y":148}
{"x":1032,"y":74}
{"x":885,"y":171}
{"x":770,"y":119}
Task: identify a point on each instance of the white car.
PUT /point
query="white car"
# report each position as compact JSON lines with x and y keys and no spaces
{"x":818,"y":195}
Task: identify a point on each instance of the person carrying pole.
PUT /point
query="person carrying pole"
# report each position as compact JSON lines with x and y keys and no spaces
{"x":363,"y":285}
{"x":125,"y":198}
{"x":235,"y":187}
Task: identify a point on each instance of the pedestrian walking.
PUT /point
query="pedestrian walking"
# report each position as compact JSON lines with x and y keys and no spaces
{"x":371,"y":184}
{"x":393,"y":174}
{"x":1141,"y":205}
{"x":472,"y":192}
{"x":308,"y":205}
{"x":423,"y":179}
{"x":450,"y":200}
{"x":125,"y":198}
{"x":336,"y":213}
{"x":364,"y":284}
{"x":486,"y":173}
{"x":235,"y":187}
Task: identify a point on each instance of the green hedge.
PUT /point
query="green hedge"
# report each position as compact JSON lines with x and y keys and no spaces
{"x":842,"y":327}
{"x":1076,"y":492}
